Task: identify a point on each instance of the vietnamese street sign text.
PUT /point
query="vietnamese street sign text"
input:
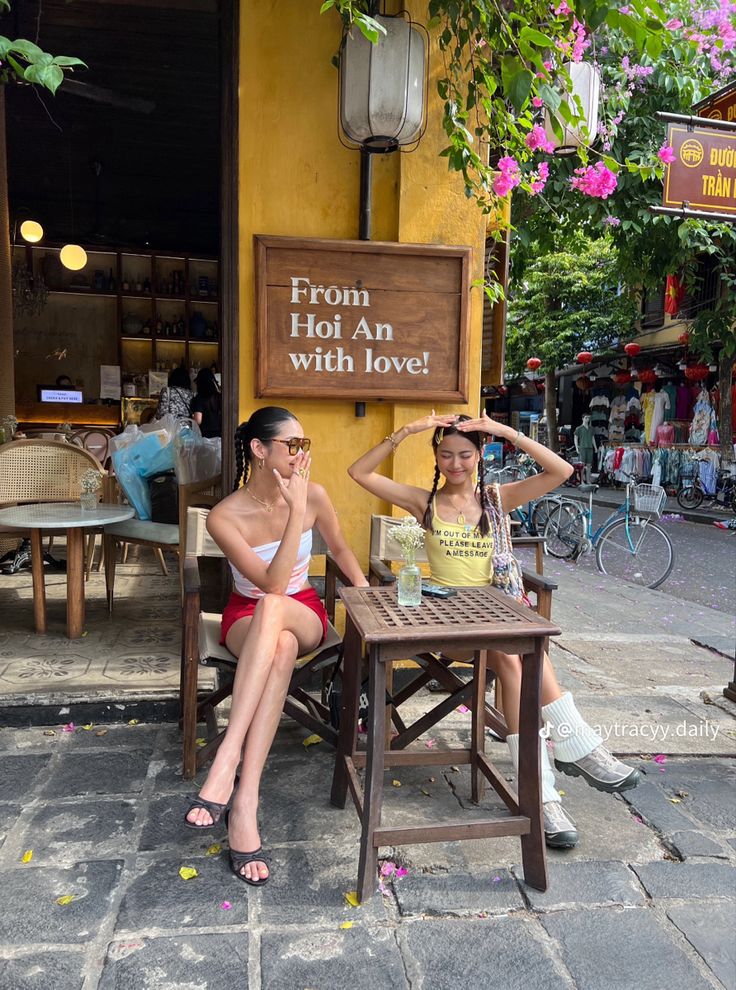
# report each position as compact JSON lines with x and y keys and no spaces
{"x":361,"y":319}
{"x":703,"y":175}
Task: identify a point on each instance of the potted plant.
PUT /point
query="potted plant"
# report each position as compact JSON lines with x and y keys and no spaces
{"x":91,"y":482}
{"x":8,"y":427}
{"x":410,"y":537}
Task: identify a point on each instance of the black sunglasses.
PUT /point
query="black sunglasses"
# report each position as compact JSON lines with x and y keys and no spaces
{"x":295,"y":444}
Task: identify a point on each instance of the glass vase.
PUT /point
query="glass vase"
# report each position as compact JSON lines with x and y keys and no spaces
{"x":88,"y":501}
{"x":409,"y":582}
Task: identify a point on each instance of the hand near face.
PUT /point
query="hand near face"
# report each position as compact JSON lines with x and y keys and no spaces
{"x":296,"y":487}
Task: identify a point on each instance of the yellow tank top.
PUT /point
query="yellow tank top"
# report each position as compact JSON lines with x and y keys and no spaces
{"x":458,"y":556}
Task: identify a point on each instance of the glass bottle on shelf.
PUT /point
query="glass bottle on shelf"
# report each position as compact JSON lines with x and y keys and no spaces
{"x":111,"y":282}
{"x":126,"y":283}
{"x":146,"y":284}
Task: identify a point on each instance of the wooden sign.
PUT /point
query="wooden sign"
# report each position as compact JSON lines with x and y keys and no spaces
{"x":703,"y":174}
{"x":719,"y":106}
{"x":362,"y":319}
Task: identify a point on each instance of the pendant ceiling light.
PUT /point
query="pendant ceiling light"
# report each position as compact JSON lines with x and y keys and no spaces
{"x":31,"y":231}
{"x":383,"y":86}
{"x":73,"y":257}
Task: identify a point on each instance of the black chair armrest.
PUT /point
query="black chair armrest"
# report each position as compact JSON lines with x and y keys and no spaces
{"x":380,"y":573}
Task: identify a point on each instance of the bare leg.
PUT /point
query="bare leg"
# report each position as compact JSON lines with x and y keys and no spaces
{"x":255,"y":642}
{"x":243,"y":823}
{"x":507,"y":667}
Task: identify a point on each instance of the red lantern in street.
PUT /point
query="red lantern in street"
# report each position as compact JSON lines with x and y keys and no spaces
{"x":632,"y":349}
{"x":583,"y":383}
{"x":584,"y":357}
{"x":648,"y":376}
{"x":533,"y":363}
{"x":684,"y":338}
{"x":622,"y":377}
{"x":696,"y":372}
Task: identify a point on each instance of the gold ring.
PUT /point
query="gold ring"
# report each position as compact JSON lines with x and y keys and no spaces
{"x":302,"y":472}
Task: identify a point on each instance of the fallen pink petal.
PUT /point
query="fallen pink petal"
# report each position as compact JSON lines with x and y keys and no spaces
{"x":430,"y":743}
{"x":401,"y":871}
{"x":660,"y":758}
{"x":69,"y":727}
{"x":387,"y":869}
{"x":226,"y":905}
{"x":463,"y":709}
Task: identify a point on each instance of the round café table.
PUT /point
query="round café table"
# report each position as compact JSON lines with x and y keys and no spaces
{"x":43,"y":516}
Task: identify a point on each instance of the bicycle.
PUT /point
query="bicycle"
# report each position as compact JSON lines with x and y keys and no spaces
{"x":692,"y":494}
{"x":628,"y":544}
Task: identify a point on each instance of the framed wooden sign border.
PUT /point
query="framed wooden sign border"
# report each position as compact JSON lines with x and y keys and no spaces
{"x":429,"y":303}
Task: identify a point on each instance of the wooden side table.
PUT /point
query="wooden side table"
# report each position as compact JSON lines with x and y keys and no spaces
{"x":476,"y":620}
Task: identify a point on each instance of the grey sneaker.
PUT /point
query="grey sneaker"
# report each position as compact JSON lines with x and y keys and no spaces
{"x":559,"y":828}
{"x":602,"y":770}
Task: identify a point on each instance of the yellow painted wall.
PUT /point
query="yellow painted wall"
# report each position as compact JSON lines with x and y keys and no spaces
{"x":296,"y":179}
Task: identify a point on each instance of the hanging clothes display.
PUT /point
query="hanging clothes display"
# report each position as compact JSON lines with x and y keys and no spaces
{"x":661,"y":403}
{"x":670,"y":411}
{"x":599,"y":406}
{"x":617,"y":419}
{"x":704,"y":419}
{"x":647,"y":407}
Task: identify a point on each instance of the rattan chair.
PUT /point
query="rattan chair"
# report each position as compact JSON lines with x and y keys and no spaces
{"x":41,"y":471}
{"x":201,"y":645}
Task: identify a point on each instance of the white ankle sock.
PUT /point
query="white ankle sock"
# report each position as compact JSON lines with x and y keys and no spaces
{"x":549,"y":791}
{"x":571,"y":734}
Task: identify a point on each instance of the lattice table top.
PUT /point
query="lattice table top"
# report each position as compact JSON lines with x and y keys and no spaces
{"x":378,"y":616}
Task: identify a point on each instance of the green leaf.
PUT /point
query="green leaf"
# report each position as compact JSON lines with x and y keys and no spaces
{"x":517,"y":81}
{"x":50,"y":76}
{"x":326,"y":6}
{"x":536,"y":38}
{"x":27,"y":49}
{"x":66,"y":61}
{"x":551,"y":97}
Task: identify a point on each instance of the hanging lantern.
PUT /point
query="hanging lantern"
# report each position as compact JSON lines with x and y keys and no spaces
{"x":696,"y":372}
{"x":31,"y":231}
{"x":383,"y":85}
{"x":648,"y":376}
{"x":586,"y":86}
{"x":73,"y":257}
{"x":534,"y":363}
{"x":584,"y":357}
{"x":632,"y":349}
{"x":684,"y":339}
{"x":622,"y":377}
{"x":583,"y":383}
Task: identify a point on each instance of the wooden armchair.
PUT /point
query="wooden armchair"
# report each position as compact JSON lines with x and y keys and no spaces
{"x":160,"y":536}
{"x":201,"y":645}
{"x":383,"y":552}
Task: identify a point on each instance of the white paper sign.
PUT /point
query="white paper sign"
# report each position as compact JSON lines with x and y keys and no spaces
{"x":110,"y":381}
{"x":156,"y":381}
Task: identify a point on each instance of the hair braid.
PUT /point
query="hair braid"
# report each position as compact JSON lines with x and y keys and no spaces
{"x":427,"y":518}
{"x":484,"y":523}
{"x":241,"y":467}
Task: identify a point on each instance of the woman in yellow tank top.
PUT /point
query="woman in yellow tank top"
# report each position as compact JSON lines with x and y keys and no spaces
{"x":458,"y":518}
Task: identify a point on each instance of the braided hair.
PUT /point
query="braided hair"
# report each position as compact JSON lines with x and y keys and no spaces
{"x":263,"y":425}
{"x":477,"y":439}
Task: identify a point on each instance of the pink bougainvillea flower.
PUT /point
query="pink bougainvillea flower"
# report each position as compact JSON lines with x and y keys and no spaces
{"x":660,"y":758}
{"x":401,"y":871}
{"x":69,"y":727}
{"x":673,"y":24}
{"x":596,"y":181}
{"x":537,"y":102}
{"x":226,"y":905}
{"x":537,"y":139}
{"x":538,"y":183}
{"x":666,"y":154}
{"x":509,"y":178}
{"x":562,"y":8}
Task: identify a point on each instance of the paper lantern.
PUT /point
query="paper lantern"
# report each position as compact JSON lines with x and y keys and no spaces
{"x":533,"y":363}
{"x":648,"y":376}
{"x":586,"y":87}
{"x":696,"y":372}
{"x":31,"y":231}
{"x":684,"y":339}
{"x":73,"y":257}
{"x":584,"y":357}
{"x":632,"y":349}
{"x":583,"y":383}
{"x":622,"y":377}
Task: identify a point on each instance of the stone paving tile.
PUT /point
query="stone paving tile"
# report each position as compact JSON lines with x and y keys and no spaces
{"x":687,"y":880}
{"x":158,"y":897}
{"x":709,"y":929}
{"x":594,"y":883}
{"x":355,"y":957}
{"x":8,"y":816}
{"x":37,"y":918}
{"x":651,"y":802}
{"x":490,"y":891}
{"x":692,"y":843}
{"x":164,"y":828}
{"x":19,"y":775}
{"x":214,"y":962}
{"x":308,"y":886}
{"x":710,"y":787}
{"x":628,"y":950}
{"x":503,"y":953}
{"x":106,"y":772}
{"x":61,"y":970}
{"x":80,"y":830}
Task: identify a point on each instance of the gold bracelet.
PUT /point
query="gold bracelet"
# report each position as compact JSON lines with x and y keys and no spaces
{"x":391,"y":440}
{"x":518,"y":434}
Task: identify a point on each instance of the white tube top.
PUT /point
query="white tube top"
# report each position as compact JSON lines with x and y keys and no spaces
{"x":267,"y":552}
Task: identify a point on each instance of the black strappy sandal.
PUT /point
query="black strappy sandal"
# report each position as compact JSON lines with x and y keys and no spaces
{"x":240,"y":859}
{"x":215,"y":809}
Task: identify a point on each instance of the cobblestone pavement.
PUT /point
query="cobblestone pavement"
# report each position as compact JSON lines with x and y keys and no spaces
{"x":92,"y":842}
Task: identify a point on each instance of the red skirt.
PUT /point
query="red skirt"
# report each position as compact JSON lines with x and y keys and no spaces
{"x":239,"y":607}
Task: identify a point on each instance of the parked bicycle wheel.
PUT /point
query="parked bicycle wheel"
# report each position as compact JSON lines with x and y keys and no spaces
{"x":690,"y":497}
{"x":564,"y":531}
{"x":541,"y":512}
{"x":637,"y":551}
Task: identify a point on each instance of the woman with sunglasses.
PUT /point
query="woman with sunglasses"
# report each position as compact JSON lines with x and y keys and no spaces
{"x":273,"y":616}
{"x":459,"y":519}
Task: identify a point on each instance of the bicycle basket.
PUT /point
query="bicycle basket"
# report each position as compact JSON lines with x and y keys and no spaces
{"x":649,"y":499}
